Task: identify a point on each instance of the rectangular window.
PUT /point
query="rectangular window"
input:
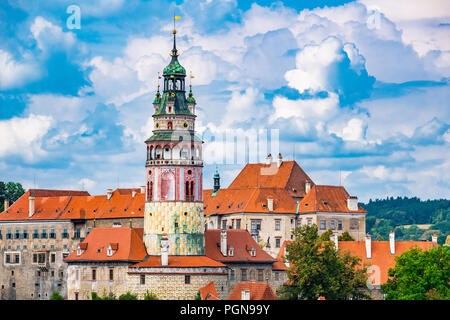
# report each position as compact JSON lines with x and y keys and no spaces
{"x":44,"y":234}
{"x":9,"y":234}
{"x":25,"y":234}
{"x":224,"y":224}
{"x":77,"y":234}
{"x":323,"y":225}
{"x":1,"y":237}
{"x":52,"y":234}
{"x":35,"y":258}
{"x":94,"y":274}
{"x":65,"y":234}
{"x":309,"y":222}
{"x":41,"y":258}
{"x":187,"y":279}
{"x":339,"y":224}
{"x":17,"y":235}
{"x":232,"y":274}
{"x":354,"y":224}
{"x":8,"y":258}
{"x":255,"y":224}
{"x":53,"y":257}
{"x":35,"y":234}
{"x":277,"y":242}
{"x":16,"y":258}
{"x":260,"y":275}
{"x":277,"y":276}
{"x":238,"y":223}
{"x":142,"y":278}
{"x":277,"y":224}
{"x":332,"y":224}
{"x":243,"y":274}
{"x":111,"y":274}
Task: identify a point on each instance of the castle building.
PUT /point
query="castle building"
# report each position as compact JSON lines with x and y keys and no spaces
{"x":271,"y":199}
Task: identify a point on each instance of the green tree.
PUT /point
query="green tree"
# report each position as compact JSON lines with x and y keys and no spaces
{"x":420,"y":275}
{"x":317,"y":269}
{"x":14,"y":191}
{"x":56,"y":296}
{"x":128,"y":296}
{"x":345,"y":236}
{"x":198,"y":296}
{"x":150,"y":296}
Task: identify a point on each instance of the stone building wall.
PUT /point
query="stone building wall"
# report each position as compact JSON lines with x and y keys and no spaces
{"x":80,"y":282}
{"x":37,"y":279}
{"x":170,"y":284}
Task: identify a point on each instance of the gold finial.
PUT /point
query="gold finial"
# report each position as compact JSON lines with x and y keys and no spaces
{"x":174,"y":31}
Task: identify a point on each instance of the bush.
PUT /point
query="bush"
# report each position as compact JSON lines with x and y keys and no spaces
{"x":56,"y":296}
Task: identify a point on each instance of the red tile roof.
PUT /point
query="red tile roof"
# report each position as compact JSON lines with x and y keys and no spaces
{"x":129,"y":245}
{"x":61,"y":204}
{"x":289,"y":176}
{"x":248,"y":200}
{"x":381,"y":255}
{"x":241,"y":241}
{"x":179,"y":262}
{"x":258,"y":291}
{"x":209,"y":292}
{"x":327,"y":199}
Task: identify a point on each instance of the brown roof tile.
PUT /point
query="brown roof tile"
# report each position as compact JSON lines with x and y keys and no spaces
{"x":258,"y":291}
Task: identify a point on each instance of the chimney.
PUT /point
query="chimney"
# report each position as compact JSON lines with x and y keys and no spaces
{"x":368,"y":246}
{"x":6,"y":204}
{"x":223,"y":242}
{"x":164,"y":250}
{"x":269,"y":159}
{"x":434,"y":238}
{"x":334,"y":238}
{"x":392,"y":242}
{"x":280,"y":160}
{"x":108,"y":194}
{"x":31,"y":206}
{"x":133,"y":193}
{"x":352,"y":203}
{"x":307,"y":186}
{"x":142,"y":189}
{"x":270,"y":204}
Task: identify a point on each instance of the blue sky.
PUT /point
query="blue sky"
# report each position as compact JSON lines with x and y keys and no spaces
{"x":357,"y":92}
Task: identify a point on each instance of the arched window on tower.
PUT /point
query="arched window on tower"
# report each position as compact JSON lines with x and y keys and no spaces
{"x":169,"y":125}
{"x":192,"y":191}
{"x":187,"y":191}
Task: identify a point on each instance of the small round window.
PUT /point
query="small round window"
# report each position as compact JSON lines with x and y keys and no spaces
{"x":185,"y":125}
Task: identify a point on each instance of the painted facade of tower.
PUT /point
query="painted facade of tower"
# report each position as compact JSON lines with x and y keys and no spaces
{"x":174,"y":204}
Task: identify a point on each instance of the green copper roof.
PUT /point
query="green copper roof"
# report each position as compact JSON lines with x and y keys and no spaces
{"x":180,"y":103}
{"x":190,"y":98}
{"x":174,"y":67}
{"x":216,"y":175}
{"x":174,"y":136}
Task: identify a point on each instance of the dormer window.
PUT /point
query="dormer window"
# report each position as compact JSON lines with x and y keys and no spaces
{"x":112,"y":248}
{"x":253,"y":252}
{"x":81,"y":248}
{"x":230,"y":251}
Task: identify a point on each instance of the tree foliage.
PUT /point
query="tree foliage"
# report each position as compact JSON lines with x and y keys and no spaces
{"x":11,"y":191}
{"x":317,"y":269}
{"x":420,"y":275}
{"x":392,"y":214}
{"x":56,"y":296}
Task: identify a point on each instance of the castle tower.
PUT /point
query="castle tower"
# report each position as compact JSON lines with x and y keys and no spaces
{"x":174,"y":204}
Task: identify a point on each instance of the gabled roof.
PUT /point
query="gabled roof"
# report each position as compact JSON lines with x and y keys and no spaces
{"x":289,"y":176}
{"x":62,"y":204}
{"x":209,"y":292}
{"x":327,"y":199}
{"x":241,"y":241}
{"x":48,"y":205}
{"x":129,"y":244}
{"x":178,"y":262}
{"x":228,"y":201}
{"x":381,"y":256}
{"x":258,"y":291}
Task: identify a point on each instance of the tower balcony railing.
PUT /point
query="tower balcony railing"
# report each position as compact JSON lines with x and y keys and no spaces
{"x":175,"y":162}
